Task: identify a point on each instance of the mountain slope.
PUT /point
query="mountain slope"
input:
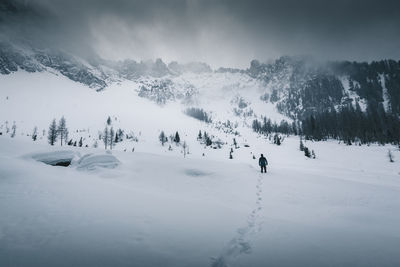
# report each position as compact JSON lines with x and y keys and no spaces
{"x":297,"y":86}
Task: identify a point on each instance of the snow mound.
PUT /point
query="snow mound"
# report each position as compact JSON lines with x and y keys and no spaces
{"x":55,"y":158}
{"x":93,"y":162}
{"x":86,"y":162}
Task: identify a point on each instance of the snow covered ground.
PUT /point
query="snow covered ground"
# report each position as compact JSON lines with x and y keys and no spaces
{"x":153,"y":207}
{"x":153,"y":210}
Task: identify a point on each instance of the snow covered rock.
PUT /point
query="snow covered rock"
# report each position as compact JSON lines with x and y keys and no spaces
{"x":55,"y":158}
{"x":95,"y":161}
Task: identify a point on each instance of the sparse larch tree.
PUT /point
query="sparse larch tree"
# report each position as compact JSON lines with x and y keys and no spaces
{"x":235,"y":143}
{"x":13,"y":130}
{"x":62,"y":130}
{"x":111,"y":140}
{"x":184,"y":146}
{"x":52,"y":133}
{"x":106,"y":137}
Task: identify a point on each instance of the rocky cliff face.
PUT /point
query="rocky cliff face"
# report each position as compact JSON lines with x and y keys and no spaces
{"x":14,"y":58}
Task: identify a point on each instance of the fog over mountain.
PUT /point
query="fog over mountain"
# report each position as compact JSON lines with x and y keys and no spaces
{"x":221,"y":32}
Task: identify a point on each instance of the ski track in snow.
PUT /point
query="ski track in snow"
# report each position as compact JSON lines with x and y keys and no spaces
{"x":241,"y":243}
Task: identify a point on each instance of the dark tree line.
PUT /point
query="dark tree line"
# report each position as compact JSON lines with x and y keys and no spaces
{"x":352,"y":124}
{"x":349,"y":124}
{"x":198,"y":113}
{"x":266,"y":126}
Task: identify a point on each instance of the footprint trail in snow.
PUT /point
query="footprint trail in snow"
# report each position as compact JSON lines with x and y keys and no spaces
{"x":240,"y":243}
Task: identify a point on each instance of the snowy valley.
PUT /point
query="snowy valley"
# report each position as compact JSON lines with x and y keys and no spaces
{"x":145,"y":203}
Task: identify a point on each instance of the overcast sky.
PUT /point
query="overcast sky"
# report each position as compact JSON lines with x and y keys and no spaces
{"x":220,"y":32}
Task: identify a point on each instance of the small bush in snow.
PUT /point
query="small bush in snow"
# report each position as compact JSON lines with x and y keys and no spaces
{"x":313,"y":154}
{"x":390,"y":156}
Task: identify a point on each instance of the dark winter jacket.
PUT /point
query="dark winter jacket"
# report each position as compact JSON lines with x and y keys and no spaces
{"x":263,"y":161}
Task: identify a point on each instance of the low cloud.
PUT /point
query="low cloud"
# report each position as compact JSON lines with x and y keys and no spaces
{"x":219,"y":32}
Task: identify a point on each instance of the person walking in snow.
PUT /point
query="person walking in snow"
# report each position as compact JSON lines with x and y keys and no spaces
{"x":263,"y":163}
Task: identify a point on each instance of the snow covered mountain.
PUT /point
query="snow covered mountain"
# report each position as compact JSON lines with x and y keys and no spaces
{"x":301,"y":85}
{"x":296,"y":86}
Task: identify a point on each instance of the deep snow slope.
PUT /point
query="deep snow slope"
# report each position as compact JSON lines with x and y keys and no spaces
{"x":34,"y":99}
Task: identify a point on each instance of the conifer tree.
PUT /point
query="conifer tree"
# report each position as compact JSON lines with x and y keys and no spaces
{"x":208,"y":141}
{"x":34,"y":133}
{"x":205,"y":137}
{"x":307,"y":152}
{"x":277,"y":140}
{"x":162,"y":138}
{"x":119,"y":135}
{"x":301,"y":145}
{"x":177,"y":139}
